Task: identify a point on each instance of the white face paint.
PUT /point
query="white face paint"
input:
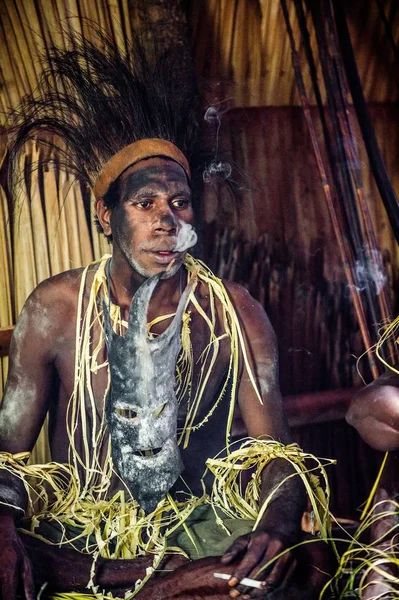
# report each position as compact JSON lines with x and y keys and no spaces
{"x":155,"y":199}
{"x":186,"y":238}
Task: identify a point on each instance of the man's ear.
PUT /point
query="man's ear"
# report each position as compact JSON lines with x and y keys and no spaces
{"x":104,"y":216}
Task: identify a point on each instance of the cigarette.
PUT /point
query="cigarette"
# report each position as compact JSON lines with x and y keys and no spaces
{"x":246,"y":581}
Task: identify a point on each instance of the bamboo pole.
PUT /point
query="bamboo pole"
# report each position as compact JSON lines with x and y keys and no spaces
{"x":347,"y":259}
{"x":24,"y":60}
{"x":18,"y":53}
{"x":371,"y":246}
{"x":126,"y":21}
{"x":386,"y":190}
{"x":388,"y":29}
{"x":6,"y":305}
{"x":346,"y":134}
{"x":40,"y":258}
{"x":12,"y":92}
{"x":53,"y":218}
{"x":24,"y":274}
{"x":69,"y":214}
{"x":85,"y":245}
{"x":359,"y":211}
{"x":369,"y":253}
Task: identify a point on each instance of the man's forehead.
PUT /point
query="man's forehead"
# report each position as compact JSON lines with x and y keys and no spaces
{"x":154,"y":172}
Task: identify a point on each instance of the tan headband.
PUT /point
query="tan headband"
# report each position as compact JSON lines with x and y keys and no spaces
{"x":132,"y":154}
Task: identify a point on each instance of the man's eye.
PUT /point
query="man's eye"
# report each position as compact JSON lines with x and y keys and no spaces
{"x":144,"y":204}
{"x":180,"y":202}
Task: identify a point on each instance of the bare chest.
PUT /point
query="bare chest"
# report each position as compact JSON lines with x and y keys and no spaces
{"x":208,"y":350}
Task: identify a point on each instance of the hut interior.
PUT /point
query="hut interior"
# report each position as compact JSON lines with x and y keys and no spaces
{"x":312,"y":241}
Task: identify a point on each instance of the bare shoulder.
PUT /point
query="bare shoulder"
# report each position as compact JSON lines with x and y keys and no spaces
{"x":250,"y":311}
{"x":50,"y":308}
{"x":55,"y":294}
{"x":241,"y":298}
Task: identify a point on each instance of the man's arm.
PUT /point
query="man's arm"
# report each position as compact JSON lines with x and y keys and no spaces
{"x":22,"y":412}
{"x":280,"y":526}
{"x":30,"y":376}
{"x":374,"y":412}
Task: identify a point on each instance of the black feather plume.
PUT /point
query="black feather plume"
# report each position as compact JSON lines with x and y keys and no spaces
{"x":96,"y":101}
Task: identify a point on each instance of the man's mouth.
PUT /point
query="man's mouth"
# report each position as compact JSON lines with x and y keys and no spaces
{"x":163,"y":257}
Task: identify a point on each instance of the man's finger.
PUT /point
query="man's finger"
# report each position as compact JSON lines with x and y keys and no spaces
{"x":281,"y":572}
{"x":278,"y":571}
{"x":272,"y":576}
{"x":292,"y":565}
{"x":258,"y":548}
{"x":270,"y":585}
{"x":238,"y":547}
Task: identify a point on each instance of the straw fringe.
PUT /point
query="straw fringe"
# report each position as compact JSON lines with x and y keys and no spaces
{"x":57,"y":487}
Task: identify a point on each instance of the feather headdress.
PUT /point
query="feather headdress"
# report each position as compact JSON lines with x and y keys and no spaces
{"x":96,"y":99}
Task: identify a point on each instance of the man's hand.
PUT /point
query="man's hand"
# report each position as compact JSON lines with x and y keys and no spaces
{"x":15,"y":567}
{"x":253,"y":551}
{"x":378,"y":585}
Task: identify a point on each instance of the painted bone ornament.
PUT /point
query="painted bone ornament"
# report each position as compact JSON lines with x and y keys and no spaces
{"x":141,"y":405}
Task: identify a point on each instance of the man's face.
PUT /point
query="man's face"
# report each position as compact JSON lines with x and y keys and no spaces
{"x":154,"y":197}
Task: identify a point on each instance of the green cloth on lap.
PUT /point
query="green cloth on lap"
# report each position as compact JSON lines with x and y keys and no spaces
{"x":210,"y":538}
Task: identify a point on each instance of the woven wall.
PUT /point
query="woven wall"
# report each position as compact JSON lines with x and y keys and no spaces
{"x":240,"y":46}
{"x":281,"y":245}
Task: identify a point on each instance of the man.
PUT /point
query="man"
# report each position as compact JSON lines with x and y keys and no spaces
{"x":69,"y":329}
{"x":374,"y":412}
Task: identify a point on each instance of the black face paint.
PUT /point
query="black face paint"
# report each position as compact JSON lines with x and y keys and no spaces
{"x":141,"y":405}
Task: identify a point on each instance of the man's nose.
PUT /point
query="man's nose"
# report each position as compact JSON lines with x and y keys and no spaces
{"x":166,"y":221}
